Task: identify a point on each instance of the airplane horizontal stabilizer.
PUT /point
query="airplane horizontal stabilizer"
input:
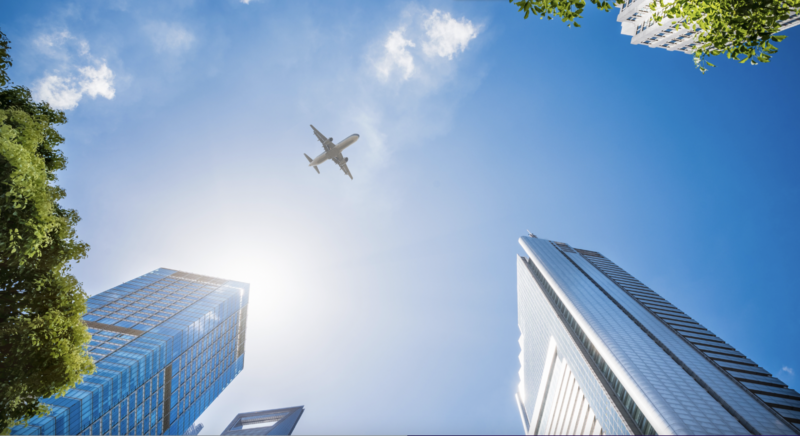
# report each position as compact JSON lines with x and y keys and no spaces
{"x":309,"y":159}
{"x":317,"y":169}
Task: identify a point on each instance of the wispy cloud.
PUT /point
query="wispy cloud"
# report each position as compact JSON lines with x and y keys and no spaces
{"x":61,"y":45}
{"x":396,"y":56}
{"x":441,"y":35}
{"x":64,"y":87}
{"x":170,"y":38}
{"x":446,"y":35}
{"x":787,"y":370}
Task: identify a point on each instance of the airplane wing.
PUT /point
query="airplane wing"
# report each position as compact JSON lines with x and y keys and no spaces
{"x":342,"y":162}
{"x":326,"y":143}
{"x":343,"y":166}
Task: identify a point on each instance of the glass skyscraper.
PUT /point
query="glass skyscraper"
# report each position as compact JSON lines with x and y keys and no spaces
{"x":165,"y":345}
{"x":604,"y":354}
{"x":265,"y":422}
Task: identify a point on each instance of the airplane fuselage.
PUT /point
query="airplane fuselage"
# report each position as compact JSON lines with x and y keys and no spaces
{"x":336,"y":151}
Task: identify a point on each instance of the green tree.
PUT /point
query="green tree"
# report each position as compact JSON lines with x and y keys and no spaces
{"x":744,"y":30}
{"x":741,"y":29}
{"x":5,"y":59}
{"x":42,"y":337}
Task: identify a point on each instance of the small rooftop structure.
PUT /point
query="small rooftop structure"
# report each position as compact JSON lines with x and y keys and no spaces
{"x":265,"y":422}
{"x":194,"y":430}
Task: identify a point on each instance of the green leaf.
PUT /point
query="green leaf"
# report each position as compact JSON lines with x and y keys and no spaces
{"x":42,"y":302}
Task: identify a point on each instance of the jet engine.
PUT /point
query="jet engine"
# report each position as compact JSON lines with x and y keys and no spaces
{"x":346,"y":159}
{"x":330,"y":139}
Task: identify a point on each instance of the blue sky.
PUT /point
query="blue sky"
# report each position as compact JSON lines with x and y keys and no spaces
{"x":387,"y":304}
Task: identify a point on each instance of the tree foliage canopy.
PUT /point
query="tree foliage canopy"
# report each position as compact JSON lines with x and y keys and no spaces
{"x":568,"y":10}
{"x":741,"y":29}
{"x":744,"y":30}
{"x":5,"y":59}
{"x":42,"y":336}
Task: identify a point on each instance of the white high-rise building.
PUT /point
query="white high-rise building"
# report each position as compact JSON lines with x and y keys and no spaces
{"x":604,"y":354}
{"x":637,"y":22}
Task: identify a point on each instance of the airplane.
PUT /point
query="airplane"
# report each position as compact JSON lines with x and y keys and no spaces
{"x":332,"y":151}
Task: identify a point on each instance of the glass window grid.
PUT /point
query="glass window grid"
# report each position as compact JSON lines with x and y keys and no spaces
{"x":134,"y":307}
{"x":192,"y":387}
{"x":104,"y":342}
{"x":195,"y":367}
{"x":617,"y":388}
{"x":138,"y":412}
{"x":197,"y":364}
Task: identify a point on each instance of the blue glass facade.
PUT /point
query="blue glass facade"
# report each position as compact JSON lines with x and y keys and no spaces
{"x":165,"y":345}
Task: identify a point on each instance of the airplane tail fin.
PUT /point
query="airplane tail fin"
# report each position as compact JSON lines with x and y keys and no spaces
{"x":310,"y":160}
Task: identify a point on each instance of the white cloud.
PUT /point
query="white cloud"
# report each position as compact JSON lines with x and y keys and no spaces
{"x":64,"y":92}
{"x":247,"y":2}
{"x":447,"y":35}
{"x":441,"y":36}
{"x":169,"y":37}
{"x":788,"y":370}
{"x":60,"y":92}
{"x":65,"y":87}
{"x":98,"y":81}
{"x":396,"y":56}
